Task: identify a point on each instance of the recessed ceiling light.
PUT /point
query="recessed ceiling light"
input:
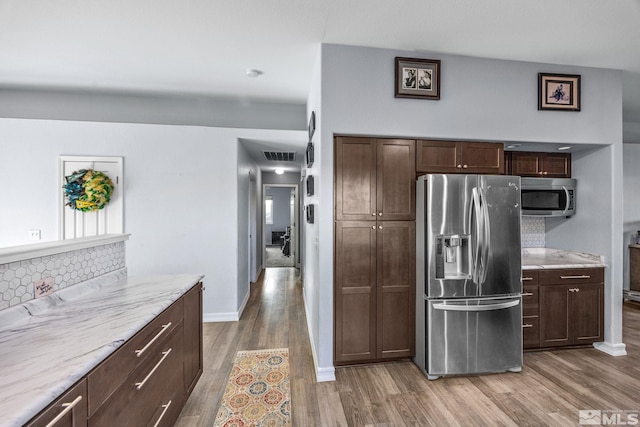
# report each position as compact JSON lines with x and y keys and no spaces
{"x":279,"y":171}
{"x":253,"y":72}
{"x":568,"y":147}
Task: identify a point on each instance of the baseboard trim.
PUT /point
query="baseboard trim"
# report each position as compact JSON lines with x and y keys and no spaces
{"x":619,"y":349}
{"x":322,"y":374}
{"x":226,"y":317}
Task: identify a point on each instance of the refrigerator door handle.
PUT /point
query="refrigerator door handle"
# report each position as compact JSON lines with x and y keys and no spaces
{"x":488,"y":307}
{"x":475,"y":274}
{"x":486,"y":237}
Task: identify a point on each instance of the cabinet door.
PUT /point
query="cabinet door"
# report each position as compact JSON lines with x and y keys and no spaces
{"x":587,"y":317}
{"x":482,"y":157}
{"x":355,"y":179}
{"x":70,"y":409}
{"x":396,"y":183}
{"x":554,"y":316}
{"x":192,"y":337}
{"x":355,"y":291}
{"x":437,"y":156}
{"x":396,"y":288}
{"x":526,"y":164}
{"x":556,"y":165}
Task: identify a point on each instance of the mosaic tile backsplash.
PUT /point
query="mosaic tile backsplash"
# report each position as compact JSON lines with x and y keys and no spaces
{"x":66,"y":269}
{"x":532,"y":230}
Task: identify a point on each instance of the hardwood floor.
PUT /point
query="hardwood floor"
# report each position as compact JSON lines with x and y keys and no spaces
{"x":552,"y":387}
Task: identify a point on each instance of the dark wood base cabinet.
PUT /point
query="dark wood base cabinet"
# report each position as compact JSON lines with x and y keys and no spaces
{"x":147,"y":380}
{"x":570,"y":308}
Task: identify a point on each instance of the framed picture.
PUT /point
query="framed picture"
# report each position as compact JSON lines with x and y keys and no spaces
{"x":417,"y":78}
{"x":310,"y":154}
{"x":310,"y":185}
{"x":558,"y":92}
{"x":310,"y":210}
{"x":312,"y":124}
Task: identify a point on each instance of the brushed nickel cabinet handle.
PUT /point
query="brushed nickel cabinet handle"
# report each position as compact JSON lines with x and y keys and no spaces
{"x":141,"y":383}
{"x":459,"y":166}
{"x":379,"y":227}
{"x":527,"y":294}
{"x":380,"y":213}
{"x":464,"y":166}
{"x":164,"y":411}
{"x":582,"y":276}
{"x":373,"y":214}
{"x":525,"y":279}
{"x":143,"y":349}
{"x":67,"y":407}
{"x":526,"y":325}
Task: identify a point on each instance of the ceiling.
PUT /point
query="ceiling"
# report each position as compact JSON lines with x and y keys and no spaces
{"x":204,"y":47}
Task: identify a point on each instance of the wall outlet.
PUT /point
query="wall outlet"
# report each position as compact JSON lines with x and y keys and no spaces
{"x":34,"y":234}
{"x":43,"y":287}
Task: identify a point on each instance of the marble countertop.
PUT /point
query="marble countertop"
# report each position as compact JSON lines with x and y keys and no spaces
{"x":48,"y":344}
{"x":540,"y":258}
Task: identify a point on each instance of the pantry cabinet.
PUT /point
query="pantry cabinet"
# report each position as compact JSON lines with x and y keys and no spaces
{"x":374,"y":282}
{"x":541,"y":165}
{"x":435,"y":156}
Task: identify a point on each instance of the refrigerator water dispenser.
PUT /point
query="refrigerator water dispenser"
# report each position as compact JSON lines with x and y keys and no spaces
{"x":453,"y":257}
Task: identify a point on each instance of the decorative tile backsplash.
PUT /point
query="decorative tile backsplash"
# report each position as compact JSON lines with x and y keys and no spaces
{"x":68,"y":268}
{"x":532,"y":230}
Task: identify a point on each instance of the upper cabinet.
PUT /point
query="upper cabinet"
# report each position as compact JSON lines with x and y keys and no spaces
{"x":459,"y":157}
{"x":541,"y":165}
{"x":375,"y":179}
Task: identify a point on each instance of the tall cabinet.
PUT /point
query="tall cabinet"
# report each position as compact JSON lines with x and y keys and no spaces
{"x":374,"y":249}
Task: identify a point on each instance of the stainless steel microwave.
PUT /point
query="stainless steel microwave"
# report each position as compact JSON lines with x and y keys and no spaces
{"x":548,"y":196}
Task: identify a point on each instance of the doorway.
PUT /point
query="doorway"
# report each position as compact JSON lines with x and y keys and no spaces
{"x":280,"y":219}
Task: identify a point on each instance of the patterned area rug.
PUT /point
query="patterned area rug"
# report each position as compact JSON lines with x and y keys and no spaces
{"x":257,"y":392}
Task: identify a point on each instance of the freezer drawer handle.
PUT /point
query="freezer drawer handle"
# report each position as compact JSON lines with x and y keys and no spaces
{"x":583,"y":276}
{"x":487,"y":307}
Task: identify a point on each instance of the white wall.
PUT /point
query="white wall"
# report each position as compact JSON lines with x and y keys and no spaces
{"x":182,"y":202}
{"x":481,"y":99}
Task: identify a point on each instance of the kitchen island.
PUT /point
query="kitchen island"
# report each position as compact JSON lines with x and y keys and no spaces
{"x":49,"y":344}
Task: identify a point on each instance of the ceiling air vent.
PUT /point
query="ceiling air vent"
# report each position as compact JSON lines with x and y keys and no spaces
{"x":279,"y":156}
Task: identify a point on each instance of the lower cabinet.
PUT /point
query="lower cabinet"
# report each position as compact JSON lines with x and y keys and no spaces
{"x":570,"y":308}
{"x":146,"y":381}
{"x":374,"y":291}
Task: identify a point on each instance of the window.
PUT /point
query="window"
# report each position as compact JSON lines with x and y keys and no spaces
{"x":268,"y":210}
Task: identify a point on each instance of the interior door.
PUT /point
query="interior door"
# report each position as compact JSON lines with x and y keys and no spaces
{"x":73,"y":223}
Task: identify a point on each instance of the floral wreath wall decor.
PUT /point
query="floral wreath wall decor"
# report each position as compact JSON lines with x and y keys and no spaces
{"x":88,"y":190}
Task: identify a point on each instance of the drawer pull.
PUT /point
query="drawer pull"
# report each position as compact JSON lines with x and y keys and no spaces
{"x":524,"y":279}
{"x":67,"y":407}
{"x":583,"y":276}
{"x":527,"y":294}
{"x":141,"y":383}
{"x":164,"y":411}
{"x":143,"y":349}
{"x":526,"y":325}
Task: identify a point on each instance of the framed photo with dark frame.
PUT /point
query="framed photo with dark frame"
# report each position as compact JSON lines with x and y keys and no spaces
{"x":559,"y":92}
{"x":417,"y":78}
{"x":310,"y":189}
{"x":312,"y":125}
{"x":310,"y":213}
{"x":310,"y":154}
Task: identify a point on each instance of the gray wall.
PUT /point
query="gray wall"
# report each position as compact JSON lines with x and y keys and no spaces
{"x":481,"y":99}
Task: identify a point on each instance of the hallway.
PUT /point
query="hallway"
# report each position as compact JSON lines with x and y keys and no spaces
{"x":551,"y":389}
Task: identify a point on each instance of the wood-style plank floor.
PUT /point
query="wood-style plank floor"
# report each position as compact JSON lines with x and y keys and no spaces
{"x":551,"y":389}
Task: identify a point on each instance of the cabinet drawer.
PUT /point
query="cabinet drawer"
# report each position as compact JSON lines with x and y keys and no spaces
{"x":530,"y":332}
{"x":71,"y":409}
{"x":153,"y":384}
{"x":571,"y":276}
{"x":529,"y":277}
{"x":107,"y":377}
{"x":530,"y":300}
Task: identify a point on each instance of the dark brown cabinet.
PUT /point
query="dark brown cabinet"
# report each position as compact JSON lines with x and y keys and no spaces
{"x":530,"y":310}
{"x":70,"y":410}
{"x":375,"y":179}
{"x":571,"y":307}
{"x":192,"y":338}
{"x":374,"y":250}
{"x":534,"y":164}
{"x":459,"y":157}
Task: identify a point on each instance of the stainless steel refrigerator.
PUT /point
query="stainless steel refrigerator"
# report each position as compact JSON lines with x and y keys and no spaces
{"x":468,"y":302}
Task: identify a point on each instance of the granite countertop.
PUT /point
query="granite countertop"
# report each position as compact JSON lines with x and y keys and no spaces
{"x":540,"y":258}
{"x":48,"y":344}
